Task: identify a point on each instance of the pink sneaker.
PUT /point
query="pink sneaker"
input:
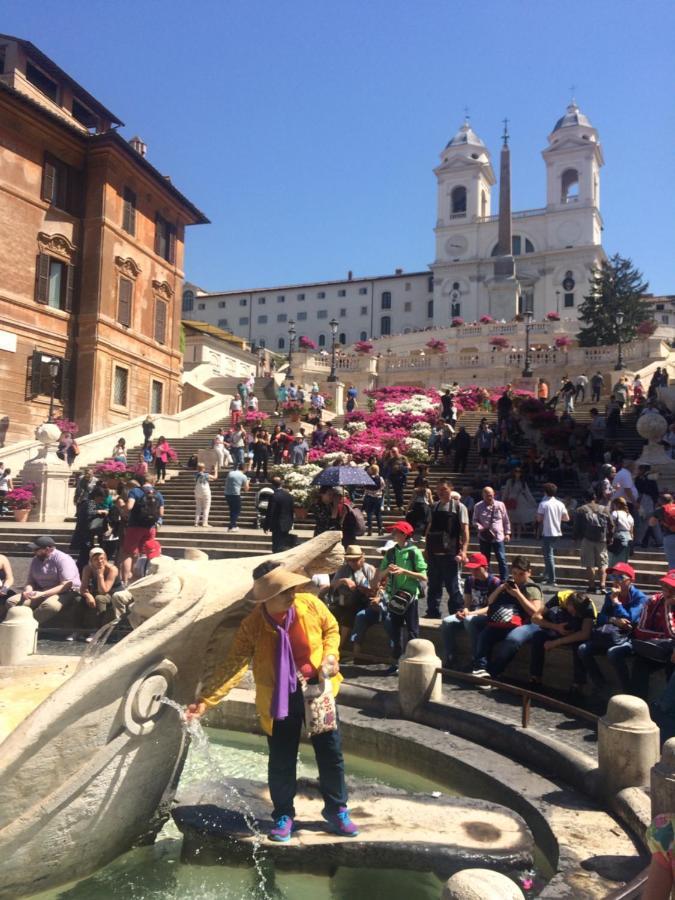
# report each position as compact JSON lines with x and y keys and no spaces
{"x":283,"y":828}
{"x":340,"y":823}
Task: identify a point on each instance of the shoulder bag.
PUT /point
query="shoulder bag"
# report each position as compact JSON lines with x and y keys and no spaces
{"x":320,"y":709}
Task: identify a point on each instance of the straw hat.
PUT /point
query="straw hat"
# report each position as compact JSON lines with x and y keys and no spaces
{"x":276,"y":582}
{"x":353,"y":552}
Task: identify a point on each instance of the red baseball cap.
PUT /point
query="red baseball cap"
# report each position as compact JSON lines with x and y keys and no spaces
{"x":475,"y":561}
{"x":152,"y":549}
{"x":668,"y":579}
{"x":622,"y":569}
{"x":402,"y":526}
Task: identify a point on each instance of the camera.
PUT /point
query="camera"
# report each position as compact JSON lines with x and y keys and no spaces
{"x":511,"y":582}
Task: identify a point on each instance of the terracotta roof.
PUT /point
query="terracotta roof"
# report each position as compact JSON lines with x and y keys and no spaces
{"x":214,"y":331}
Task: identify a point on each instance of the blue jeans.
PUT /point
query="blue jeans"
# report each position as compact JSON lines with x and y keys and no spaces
{"x":669,"y":548}
{"x":538,"y":655}
{"x":237,"y":454}
{"x":616,"y":656}
{"x":548,"y":548}
{"x":511,"y":641}
{"x":486,"y":547}
{"x":373,"y":507}
{"x":451,"y":624}
{"x":443,"y":571}
{"x":234,"y":504}
{"x":371,"y":615}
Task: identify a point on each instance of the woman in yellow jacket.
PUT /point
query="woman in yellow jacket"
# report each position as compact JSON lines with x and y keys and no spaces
{"x":287,"y":632}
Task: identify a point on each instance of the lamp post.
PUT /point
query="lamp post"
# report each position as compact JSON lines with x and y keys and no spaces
{"x":619,"y":360}
{"x":557,"y":302}
{"x":333,"y":330}
{"x":53,"y":365}
{"x":527,"y":371}
{"x":291,"y":343}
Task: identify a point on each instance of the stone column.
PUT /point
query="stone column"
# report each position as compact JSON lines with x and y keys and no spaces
{"x":18,"y":635}
{"x":628,"y":744}
{"x":480,"y":884}
{"x":51,"y":477}
{"x":336,"y":391}
{"x":663,"y":781}
{"x":417,"y":678}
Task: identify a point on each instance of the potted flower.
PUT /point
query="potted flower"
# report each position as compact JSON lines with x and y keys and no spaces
{"x":306,"y":343}
{"x":499,"y":342}
{"x":112,"y":472}
{"x":457,"y":322}
{"x":553,"y":316}
{"x":293,"y":409}
{"x":486,"y":320}
{"x":21,"y":500}
{"x":563,"y":342}
{"x":67,"y":425}
{"x":436,"y":345}
{"x":363,"y":347}
{"x":254,"y":417}
{"x":646,"y":328}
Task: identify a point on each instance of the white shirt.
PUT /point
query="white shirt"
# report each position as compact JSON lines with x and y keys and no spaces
{"x":623,"y":486}
{"x":581,"y":381}
{"x":553,"y":514}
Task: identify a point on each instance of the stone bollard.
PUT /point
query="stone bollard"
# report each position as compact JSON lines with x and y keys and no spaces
{"x":628,"y":744}
{"x":417,"y":678}
{"x":663,"y":781}
{"x":480,"y":884}
{"x":194,"y":553}
{"x":18,"y":635}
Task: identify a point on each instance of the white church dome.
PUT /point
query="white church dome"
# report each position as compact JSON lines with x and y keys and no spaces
{"x":573,"y":116}
{"x":465,"y":135}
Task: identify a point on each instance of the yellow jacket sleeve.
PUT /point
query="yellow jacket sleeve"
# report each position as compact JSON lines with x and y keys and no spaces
{"x":330,"y":631}
{"x":233,"y":667}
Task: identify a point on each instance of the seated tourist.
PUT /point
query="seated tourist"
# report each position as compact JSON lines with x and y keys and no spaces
{"x":653,"y":638}
{"x":510,"y":609}
{"x":100,"y":579}
{"x":53,"y":580}
{"x":661,"y":843}
{"x":478,"y":586}
{"x":351,"y":590}
{"x":619,"y":614}
{"x":566,"y":621}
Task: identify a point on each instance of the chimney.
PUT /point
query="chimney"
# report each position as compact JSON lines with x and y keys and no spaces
{"x":398,"y":271}
{"x":350,"y":275}
{"x":139,"y":145}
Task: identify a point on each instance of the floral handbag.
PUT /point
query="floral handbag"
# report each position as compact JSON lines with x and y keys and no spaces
{"x":320,"y":709}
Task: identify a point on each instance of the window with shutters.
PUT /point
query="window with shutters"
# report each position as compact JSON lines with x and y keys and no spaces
{"x":302,"y":316}
{"x":385,"y":325}
{"x":430,"y":309}
{"x":363,"y":290}
{"x":282,"y":317}
{"x":129,"y":211}
{"x":125,"y":295}
{"x":61,"y":185}
{"x":120,"y":386}
{"x":54,"y":283}
{"x":386,"y":300}
{"x":41,"y":378}
{"x":156,"y":396}
{"x":262,"y":320}
{"x":165,"y":239}
{"x":160,"y":321}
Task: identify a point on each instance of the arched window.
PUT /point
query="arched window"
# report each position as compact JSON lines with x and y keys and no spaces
{"x":569,"y":186}
{"x":262,"y":344}
{"x":322,"y":340}
{"x":363,"y":336}
{"x":455,"y":310}
{"x":483,"y":204}
{"x":385,"y":325}
{"x":281,"y":343}
{"x":386,"y":299}
{"x":188,"y":301}
{"x":342,"y":339}
{"x":458,"y":200}
{"x":519,"y":245}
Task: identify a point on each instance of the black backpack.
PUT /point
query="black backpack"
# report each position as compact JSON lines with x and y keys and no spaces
{"x":149,"y":507}
{"x":596,"y":524}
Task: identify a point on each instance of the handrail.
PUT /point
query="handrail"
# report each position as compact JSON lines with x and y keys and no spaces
{"x":633,"y":890}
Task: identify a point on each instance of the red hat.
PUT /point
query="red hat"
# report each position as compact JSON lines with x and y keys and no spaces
{"x":622,"y":569}
{"x":402,"y":526}
{"x":475,"y":561}
{"x":669,"y":579}
{"x":152,"y":549}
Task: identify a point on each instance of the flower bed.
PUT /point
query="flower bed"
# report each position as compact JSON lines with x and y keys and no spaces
{"x":110,"y":469}
{"x":254,"y":417}
{"x":499,"y":342}
{"x":436,"y":345}
{"x":298,"y":481}
{"x":306,"y":343}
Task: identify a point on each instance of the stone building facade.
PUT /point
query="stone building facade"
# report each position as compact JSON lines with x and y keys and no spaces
{"x":91,"y":273}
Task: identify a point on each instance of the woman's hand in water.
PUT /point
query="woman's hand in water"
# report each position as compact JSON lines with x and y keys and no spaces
{"x":195,"y":710}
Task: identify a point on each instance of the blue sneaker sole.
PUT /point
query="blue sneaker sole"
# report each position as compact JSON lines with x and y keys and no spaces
{"x":278,"y":838}
{"x":335,"y":829}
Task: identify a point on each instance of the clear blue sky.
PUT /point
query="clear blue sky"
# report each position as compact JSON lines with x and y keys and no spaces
{"x":307,"y":130}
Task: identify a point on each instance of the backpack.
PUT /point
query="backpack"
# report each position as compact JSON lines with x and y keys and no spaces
{"x":669,"y":516}
{"x":596,"y":525}
{"x":359,"y":520}
{"x":148,"y":510}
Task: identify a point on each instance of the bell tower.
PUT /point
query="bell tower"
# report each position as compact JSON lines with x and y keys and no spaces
{"x":573,"y":161}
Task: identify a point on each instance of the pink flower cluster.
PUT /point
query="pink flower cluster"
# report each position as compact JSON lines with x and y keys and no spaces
{"x":486,"y":320}
{"x":22,"y":497}
{"x":500,"y":342}
{"x":254,"y":417}
{"x":553,"y":316}
{"x":457,"y":322}
{"x":363,"y":347}
{"x":437,"y":345}
{"x":67,"y":425}
{"x":306,"y":343}
{"x":562,"y":342}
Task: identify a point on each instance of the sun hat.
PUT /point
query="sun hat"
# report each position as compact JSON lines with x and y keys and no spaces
{"x":353,"y":551}
{"x":276,"y":582}
{"x":402,"y":526}
{"x":95,"y":551}
{"x":475,"y":561}
{"x":622,"y":568}
{"x":44,"y":540}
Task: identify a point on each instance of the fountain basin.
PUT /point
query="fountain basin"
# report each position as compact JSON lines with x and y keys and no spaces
{"x":399,"y":829}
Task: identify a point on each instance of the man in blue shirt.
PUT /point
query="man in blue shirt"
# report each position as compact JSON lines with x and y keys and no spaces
{"x":235,"y":483}
{"x":621,"y":610}
{"x":478,"y":585}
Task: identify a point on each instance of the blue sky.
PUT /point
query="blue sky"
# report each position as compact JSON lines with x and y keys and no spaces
{"x":307,"y":131}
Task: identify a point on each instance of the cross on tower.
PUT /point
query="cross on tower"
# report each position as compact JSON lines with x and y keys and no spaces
{"x":467,"y":117}
{"x":573,"y":90}
{"x":506,"y":132}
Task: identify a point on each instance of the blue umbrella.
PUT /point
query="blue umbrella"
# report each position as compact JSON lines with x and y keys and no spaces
{"x":345,"y":476}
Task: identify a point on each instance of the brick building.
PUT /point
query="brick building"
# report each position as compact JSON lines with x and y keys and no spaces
{"x":91,"y":272}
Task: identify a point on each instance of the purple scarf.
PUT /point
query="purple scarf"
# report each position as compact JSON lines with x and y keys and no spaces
{"x":285,"y":677}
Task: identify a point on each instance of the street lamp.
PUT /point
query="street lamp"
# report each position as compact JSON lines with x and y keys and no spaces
{"x":333,"y":330}
{"x":619,"y":360}
{"x":291,"y":342}
{"x":557,"y":302}
{"x":527,"y":371}
{"x":54,"y":366}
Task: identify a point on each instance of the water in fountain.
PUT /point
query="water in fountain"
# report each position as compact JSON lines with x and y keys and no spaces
{"x":201,"y":745}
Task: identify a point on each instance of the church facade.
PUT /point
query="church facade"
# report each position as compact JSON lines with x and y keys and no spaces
{"x":498,"y":264}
